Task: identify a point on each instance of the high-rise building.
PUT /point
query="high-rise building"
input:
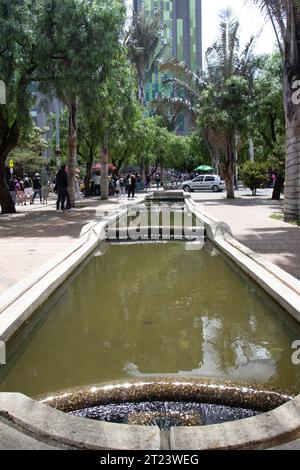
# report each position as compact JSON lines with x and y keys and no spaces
{"x":183,"y":32}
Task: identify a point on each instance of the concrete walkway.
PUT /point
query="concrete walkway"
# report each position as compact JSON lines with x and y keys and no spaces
{"x":250,"y":221}
{"x":38,"y":233}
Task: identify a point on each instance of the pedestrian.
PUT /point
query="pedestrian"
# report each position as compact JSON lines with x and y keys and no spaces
{"x":131,"y":186}
{"x":122,"y":186}
{"x":118,"y":188}
{"x":27,"y":185}
{"x":12,"y":189}
{"x":157,"y":181}
{"x":148,"y":182}
{"x":37,"y":187}
{"x":97,"y":182}
{"x":62,"y":188}
{"x":19,"y":188}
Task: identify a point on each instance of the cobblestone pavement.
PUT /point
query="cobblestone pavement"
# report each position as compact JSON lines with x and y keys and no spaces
{"x":251,"y":223}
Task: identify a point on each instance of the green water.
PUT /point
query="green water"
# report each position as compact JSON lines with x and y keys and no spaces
{"x":155,"y":309}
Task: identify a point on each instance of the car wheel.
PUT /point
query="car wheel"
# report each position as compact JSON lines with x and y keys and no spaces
{"x":187,"y":189}
{"x":216,"y":189}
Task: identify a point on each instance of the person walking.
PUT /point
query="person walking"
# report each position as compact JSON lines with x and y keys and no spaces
{"x":148,"y":182}
{"x":122,"y":186}
{"x":27,"y":185}
{"x":19,"y":188}
{"x":62,"y":188}
{"x":37,"y":187}
{"x":131,"y":186}
{"x":157,"y":181}
{"x":12,"y":189}
{"x":97,"y":184}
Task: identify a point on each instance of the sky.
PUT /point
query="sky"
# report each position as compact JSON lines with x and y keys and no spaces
{"x":251,"y":20}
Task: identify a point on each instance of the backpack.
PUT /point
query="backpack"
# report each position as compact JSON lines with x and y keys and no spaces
{"x":27,"y":183}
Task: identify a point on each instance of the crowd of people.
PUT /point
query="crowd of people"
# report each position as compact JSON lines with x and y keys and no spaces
{"x":26,"y":190}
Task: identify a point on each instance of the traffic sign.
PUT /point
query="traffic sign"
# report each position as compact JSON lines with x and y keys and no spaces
{"x":11,"y":163}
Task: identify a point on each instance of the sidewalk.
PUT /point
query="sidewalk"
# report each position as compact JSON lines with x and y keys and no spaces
{"x":250,"y":221}
{"x":38,"y":233}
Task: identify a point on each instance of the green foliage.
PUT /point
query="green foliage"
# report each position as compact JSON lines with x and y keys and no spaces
{"x":145,"y":46}
{"x":20,"y":51}
{"x":254,"y":175}
{"x":81,"y":38}
{"x":224,"y":109}
{"x":28,"y":156}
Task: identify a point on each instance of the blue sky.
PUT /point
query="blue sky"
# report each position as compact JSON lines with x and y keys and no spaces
{"x":251,"y":21}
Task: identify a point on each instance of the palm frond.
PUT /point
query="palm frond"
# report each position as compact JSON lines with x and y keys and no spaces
{"x":177,"y":107}
{"x":184,"y":80}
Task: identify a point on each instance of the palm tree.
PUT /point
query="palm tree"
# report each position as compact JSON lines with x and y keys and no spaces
{"x":285,"y":17}
{"x":145,"y":46}
{"x":224,"y":61}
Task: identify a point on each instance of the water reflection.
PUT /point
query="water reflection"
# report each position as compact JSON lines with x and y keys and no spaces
{"x":154,"y":309}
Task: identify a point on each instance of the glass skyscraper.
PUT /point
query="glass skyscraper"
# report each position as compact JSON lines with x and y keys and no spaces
{"x":183,"y":33}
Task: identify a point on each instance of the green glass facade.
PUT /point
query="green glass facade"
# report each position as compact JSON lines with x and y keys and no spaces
{"x":183,"y":34}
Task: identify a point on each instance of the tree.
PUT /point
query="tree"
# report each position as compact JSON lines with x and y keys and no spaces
{"x":145,"y":47}
{"x":20,"y":58}
{"x":28,"y":155}
{"x":224,"y":111}
{"x":217,"y":101}
{"x":254,"y":175}
{"x":285,"y":16}
{"x":83,"y":38}
{"x":266,"y":112}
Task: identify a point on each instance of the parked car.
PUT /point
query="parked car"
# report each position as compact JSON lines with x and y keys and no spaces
{"x":204,"y":182}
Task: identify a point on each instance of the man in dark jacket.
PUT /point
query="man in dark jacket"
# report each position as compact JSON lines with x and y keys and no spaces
{"x":62,"y":189}
{"x":37,"y":187}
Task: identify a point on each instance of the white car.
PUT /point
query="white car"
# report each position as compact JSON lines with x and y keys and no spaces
{"x":204,"y":182}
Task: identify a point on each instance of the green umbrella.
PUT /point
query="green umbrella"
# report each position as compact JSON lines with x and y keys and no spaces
{"x":205,"y":168}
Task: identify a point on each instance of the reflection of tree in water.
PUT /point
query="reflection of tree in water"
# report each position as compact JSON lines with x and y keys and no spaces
{"x":194,"y":311}
{"x":147,"y":300}
{"x":160,"y":309}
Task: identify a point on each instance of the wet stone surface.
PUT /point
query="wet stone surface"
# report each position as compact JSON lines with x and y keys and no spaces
{"x":165,"y":414}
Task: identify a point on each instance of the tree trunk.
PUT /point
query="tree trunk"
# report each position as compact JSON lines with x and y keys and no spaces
{"x":251,"y":149}
{"x":162,"y":172}
{"x":88,"y":175}
{"x":278,"y":187}
{"x":9,"y":137}
{"x":292,"y":169}
{"x":142,"y":169}
{"x":104,"y":170}
{"x":72,"y":146}
{"x":229,"y":171}
{"x":215,"y":157}
{"x":292,"y":113}
{"x":7,"y":205}
{"x":141,"y":91}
